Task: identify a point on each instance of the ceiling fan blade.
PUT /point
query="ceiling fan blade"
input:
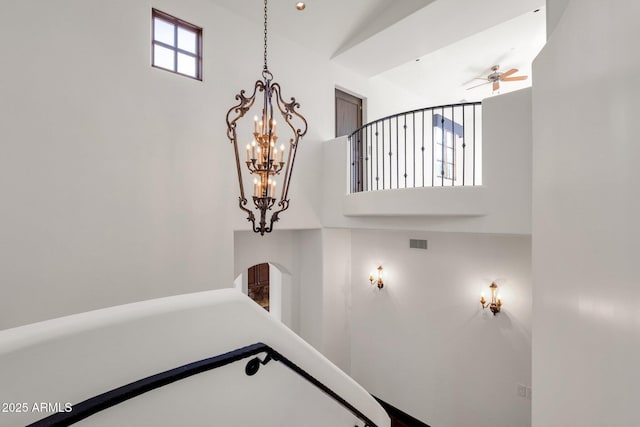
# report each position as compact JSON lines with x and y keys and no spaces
{"x":481,"y":84}
{"x":508,"y":73}
{"x":513,"y":79}
{"x":468,"y":82}
{"x":496,"y":86}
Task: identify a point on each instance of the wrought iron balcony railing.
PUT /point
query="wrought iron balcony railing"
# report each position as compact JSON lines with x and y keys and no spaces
{"x":431,"y":147}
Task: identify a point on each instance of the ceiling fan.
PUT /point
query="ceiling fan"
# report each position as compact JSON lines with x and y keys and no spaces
{"x":496,"y":77}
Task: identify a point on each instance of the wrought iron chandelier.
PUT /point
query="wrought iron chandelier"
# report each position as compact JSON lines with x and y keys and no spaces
{"x":266,"y":158}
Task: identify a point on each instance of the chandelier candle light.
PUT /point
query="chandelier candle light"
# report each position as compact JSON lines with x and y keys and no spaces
{"x":266,"y":158}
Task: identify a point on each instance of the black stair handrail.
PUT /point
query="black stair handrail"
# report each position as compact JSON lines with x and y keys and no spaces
{"x":121,"y":394}
{"x":399,"y":415}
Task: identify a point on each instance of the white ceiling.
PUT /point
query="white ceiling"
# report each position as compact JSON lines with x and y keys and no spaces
{"x":326,"y":26}
{"x":443,"y":76}
{"x":456,"y":40}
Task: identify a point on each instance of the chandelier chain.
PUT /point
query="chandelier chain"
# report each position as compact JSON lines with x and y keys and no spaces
{"x":265,"y":36}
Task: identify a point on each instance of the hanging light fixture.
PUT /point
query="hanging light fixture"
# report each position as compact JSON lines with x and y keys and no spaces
{"x":266,"y":158}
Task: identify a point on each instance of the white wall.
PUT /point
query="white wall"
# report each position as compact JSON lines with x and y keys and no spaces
{"x":336,"y":297}
{"x":117,"y":178}
{"x":308,"y":262}
{"x":423,"y":342}
{"x":586,"y":342}
{"x":501,"y":205}
{"x":386,"y":99}
{"x":554,"y":13}
{"x":109,"y":194}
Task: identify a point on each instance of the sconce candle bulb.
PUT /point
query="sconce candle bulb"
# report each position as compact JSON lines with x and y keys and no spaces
{"x":495,"y":303}
{"x":378,"y":282}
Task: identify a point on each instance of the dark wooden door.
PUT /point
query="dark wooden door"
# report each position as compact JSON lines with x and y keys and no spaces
{"x":348,"y":119}
{"x":258,"y":284}
{"x":348,"y":113}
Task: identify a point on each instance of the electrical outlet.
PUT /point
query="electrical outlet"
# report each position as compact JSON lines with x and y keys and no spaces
{"x":522,"y":390}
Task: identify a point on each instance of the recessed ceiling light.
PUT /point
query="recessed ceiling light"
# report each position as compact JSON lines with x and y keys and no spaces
{"x":535,"y":11}
{"x":417,"y":59}
{"x":300,"y":5}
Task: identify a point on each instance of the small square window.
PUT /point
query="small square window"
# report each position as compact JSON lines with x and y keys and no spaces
{"x":176,"y":45}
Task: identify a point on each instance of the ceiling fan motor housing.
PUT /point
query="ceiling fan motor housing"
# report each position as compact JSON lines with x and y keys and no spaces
{"x":495,"y":76}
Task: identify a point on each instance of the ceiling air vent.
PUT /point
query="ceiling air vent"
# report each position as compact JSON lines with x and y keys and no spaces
{"x":417,"y":244}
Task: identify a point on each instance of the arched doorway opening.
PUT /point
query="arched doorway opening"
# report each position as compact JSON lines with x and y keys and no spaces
{"x":274,"y":281}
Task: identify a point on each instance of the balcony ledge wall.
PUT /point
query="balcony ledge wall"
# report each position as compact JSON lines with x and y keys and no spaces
{"x":501,"y":205}
{"x":455,"y":201}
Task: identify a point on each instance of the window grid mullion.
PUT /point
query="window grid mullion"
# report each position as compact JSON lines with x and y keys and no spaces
{"x":178,"y":24}
{"x":182,"y":51}
{"x":175,"y":51}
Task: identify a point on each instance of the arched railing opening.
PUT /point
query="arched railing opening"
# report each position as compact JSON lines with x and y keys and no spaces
{"x":430,"y":147}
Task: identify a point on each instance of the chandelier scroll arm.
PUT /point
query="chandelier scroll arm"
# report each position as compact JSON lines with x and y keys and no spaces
{"x":288,"y":111}
{"x":293,"y":146}
{"x":284,"y":205}
{"x":250,"y":217}
{"x":240,"y":109}
{"x":237,"y":156}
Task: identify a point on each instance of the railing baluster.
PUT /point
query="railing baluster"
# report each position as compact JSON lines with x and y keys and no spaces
{"x":433,"y":157}
{"x":413,"y":152}
{"x":464,"y":145}
{"x":391,"y":151}
{"x":398,"y":156}
{"x":351,"y":161}
{"x":365,"y":160}
{"x":370,"y":154}
{"x":369,"y":135}
{"x":360,"y":159}
{"x":377,"y":168}
{"x":442,"y":143}
{"x":405,"y":151}
{"x":354,"y":155}
{"x":474,"y":144}
{"x":422,"y":149}
{"x":384,"y":155}
{"x":453,"y":144}
{"x":357,"y":161}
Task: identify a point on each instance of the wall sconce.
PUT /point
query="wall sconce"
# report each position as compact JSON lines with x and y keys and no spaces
{"x":378,"y":282}
{"x":495,"y":303}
